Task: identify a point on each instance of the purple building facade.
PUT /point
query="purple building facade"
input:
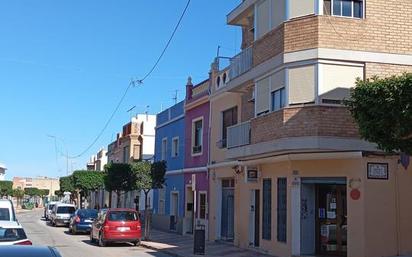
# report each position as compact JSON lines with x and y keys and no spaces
{"x":197,"y":109}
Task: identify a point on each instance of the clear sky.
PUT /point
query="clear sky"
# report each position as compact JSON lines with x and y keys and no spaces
{"x":65,"y":64}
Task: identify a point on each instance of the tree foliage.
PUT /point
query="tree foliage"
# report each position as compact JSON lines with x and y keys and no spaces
{"x":87,"y":181}
{"x":142,"y":173}
{"x":158,"y":171}
{"x":18,"y":193}
{"x":119,"y":178}
{"x":6,"y":188}
{"x":382,"y":109}
{"x":32,"y":191}
{"x":58,"y":193}
{"x":67,"y":184}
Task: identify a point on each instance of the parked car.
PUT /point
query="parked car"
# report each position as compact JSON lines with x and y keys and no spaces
{"x":116,"y":225}
{"x":7,"y":211}
{"x":82,"y":220}
{"x":48,"y":209}
{"x":12,"y":233}
{"x":32,"y":251}
{"x":61,"y":214}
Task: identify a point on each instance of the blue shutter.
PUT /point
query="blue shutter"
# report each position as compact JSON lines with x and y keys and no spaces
{"x":267,"y":210}
{"x":282,"y":210}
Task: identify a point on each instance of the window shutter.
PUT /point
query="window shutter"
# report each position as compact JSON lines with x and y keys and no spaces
{"x":262,"y":96}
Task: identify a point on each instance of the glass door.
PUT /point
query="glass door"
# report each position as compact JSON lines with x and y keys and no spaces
{"x":331,"y":220}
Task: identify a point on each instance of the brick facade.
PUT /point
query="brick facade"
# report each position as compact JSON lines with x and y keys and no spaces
{"x":387,"y":28}
{"x":385,"y":70}
{"x":303,"y":122}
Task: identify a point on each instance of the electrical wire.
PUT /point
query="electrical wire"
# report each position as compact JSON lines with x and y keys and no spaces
{"x":133,"y":83}
{"x":167,"y":44}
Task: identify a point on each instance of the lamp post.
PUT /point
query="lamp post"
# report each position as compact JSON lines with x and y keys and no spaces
{"x":67,"y":152}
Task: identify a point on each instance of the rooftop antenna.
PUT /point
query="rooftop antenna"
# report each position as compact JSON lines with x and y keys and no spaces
{"x":147,"y":112}
{"x":175,"y":96}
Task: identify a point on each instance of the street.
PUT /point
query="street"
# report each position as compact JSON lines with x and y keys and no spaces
{"x":41,"y":234}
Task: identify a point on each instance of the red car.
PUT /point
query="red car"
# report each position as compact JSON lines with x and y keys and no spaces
{"x":116,"y":225}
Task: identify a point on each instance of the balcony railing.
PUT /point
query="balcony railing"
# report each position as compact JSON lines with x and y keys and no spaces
{"x":238,"y":135}
{"x":241,"y":63}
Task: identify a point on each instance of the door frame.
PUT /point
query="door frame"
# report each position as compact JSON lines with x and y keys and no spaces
{"x":339,"y":211}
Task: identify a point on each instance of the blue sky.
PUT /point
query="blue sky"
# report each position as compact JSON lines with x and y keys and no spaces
{"x":65,"y":64}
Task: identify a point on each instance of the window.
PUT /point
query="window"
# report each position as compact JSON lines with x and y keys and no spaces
{"x":175,"y":147}
{"x":123,"y":216}
{"x":164,"y":149}
{"x":278,"y":99}
{"x":229,"y":118}
{"x":346,"y":8}
{"x":267,"y":210}
{"x":126,"y":154}
{"x":202,"y":206}
{"x":137,"y":152}
{"x":282,"y":210}
{"x":4,"y":214}
{"x":162,"y":196}
{"x":197,"y":136}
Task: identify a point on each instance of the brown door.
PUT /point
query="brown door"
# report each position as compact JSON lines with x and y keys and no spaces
{"x":331,"y":220}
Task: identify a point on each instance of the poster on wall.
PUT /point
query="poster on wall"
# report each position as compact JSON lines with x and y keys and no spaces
{"x":378,"y":171}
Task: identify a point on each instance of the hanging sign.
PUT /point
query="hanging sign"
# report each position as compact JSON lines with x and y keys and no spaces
{"x":378,"y":171}
{"x":252,"y":175}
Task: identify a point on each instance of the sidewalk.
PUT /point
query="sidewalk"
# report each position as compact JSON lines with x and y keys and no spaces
{"x":182,"y":246}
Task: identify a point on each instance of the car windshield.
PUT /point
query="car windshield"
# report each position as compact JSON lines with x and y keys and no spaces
{"x":92,"y":214}
{"x":4,"y":214}
{"x":51,"y":206}
{"x":66,"y":209}
{"x":12,"y":234}
{"x":123,"y":216}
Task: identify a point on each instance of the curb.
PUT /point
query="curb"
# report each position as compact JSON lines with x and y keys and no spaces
{"x":171,"y":253}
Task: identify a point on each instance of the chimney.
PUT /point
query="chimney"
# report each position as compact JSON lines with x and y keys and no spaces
{"x":189,"y":88}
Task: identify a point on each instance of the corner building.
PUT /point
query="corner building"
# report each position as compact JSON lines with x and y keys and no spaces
{"x":289,"y":174}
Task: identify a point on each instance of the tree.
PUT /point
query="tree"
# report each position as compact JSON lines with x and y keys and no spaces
{"x":6,"y":188}
{"x":85,"y":181}
{"x":32,"y":191}
{"x":67,"y":185}
{"x":119,"y":178}
{"x":19,"y":194}
{"x":148,"y":176}
{"x":382,"y":109}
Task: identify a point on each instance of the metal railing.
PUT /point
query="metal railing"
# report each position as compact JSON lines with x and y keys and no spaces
{"x":241,"y":63}
{"x":238,"y":135}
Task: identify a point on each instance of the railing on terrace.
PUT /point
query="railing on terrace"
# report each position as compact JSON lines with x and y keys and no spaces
{"x":238,"y":135}
{"x":241,"y":63}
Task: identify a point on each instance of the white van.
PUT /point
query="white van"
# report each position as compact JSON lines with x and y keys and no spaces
{"x":7,"y":211}
{"x":61,"y":214}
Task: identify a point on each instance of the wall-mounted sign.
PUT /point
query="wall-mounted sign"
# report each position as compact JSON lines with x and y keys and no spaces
{"x":378,"y":171}
{"x":252,"y":175}
{"x":355,"y":194}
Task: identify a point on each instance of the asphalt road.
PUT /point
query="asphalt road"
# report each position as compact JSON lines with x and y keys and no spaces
{"x":40,"y":233}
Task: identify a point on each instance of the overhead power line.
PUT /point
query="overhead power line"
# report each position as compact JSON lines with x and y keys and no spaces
{"x":132,"y":84}
{"x":167,"y":44}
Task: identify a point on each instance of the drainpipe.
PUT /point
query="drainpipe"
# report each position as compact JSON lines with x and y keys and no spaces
{"x":397,"y":206}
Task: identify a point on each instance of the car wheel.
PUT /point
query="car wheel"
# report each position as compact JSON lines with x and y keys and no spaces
{"x":137,"y":243}
{"x":102,"y":243}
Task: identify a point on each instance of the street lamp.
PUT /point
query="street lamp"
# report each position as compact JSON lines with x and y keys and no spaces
{"x":67,"y":152}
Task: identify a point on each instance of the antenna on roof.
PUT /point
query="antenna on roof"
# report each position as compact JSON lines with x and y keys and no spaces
{"x":175,"y":96}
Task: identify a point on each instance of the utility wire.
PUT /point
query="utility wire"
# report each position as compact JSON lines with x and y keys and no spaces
{"x":133,"y":83}
{"x":167,"y":44}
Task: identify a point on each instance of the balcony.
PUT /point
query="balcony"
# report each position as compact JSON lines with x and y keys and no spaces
{"x":297,"y":128}
{"x":241,"y":63}
{"x":238,"y":135}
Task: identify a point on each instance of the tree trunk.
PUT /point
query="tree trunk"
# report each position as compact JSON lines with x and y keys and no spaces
{"x":146,"y":216}
{"x":110,"y":199}
{"x":118,"y":198}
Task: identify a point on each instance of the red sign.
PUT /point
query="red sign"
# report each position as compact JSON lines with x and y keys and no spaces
{"x":355,"y":194}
